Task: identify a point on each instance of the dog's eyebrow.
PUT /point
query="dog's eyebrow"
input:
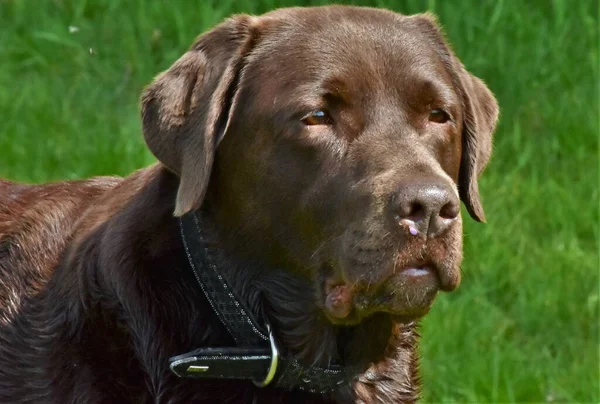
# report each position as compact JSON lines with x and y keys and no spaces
{"x":334,"y":84}
{"x":436,"y":92}
{"x":332,"y":88}
{"x":318,"y":95}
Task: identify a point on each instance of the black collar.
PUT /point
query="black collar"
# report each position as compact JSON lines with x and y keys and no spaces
{"x":256,"y":356}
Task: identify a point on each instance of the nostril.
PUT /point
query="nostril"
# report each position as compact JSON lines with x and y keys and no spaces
{"x":411,"y":210}
{"x":417,"y":211}
{"x":450,"y":210}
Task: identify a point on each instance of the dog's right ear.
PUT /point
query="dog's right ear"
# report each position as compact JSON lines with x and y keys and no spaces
{"x":186,"y":109}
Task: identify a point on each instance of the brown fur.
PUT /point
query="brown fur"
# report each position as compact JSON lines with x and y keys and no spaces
{"x":95,"y":289}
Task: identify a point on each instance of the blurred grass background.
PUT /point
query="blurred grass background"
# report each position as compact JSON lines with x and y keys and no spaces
{"x":524,"y":325}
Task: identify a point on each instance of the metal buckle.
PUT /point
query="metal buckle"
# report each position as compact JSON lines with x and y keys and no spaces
{"x":274,"y":362}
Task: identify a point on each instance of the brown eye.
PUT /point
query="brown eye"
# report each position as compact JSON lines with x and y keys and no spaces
{"x":439,"y":116}
{"x":318,"y":117}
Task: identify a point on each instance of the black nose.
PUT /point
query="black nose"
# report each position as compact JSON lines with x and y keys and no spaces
{"x":425,"y":207}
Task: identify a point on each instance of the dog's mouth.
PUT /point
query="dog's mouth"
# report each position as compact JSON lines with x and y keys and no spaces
{"x":407,"y":294}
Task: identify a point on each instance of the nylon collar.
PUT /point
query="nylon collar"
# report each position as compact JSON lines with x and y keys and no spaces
{"x":256,"y":356}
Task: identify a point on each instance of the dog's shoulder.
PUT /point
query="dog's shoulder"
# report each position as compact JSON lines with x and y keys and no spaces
{"x":36,"y":224}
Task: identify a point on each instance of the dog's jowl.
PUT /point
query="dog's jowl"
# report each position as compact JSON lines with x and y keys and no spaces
{"x":303,"y":214}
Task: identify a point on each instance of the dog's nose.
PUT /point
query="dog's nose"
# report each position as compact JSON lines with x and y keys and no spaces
{"x":425,"y":207}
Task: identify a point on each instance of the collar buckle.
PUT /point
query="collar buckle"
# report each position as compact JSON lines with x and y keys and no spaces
{"x":274,"y":362}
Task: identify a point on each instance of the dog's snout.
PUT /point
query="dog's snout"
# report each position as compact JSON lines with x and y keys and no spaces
{"x":425,"y":207}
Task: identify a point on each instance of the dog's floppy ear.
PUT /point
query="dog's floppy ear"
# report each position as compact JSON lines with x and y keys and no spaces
{"x":186,"y":109}
{"x":480,"y":114}
{"x":479,"y":123}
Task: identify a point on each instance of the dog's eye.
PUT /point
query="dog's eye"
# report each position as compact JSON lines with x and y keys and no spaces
{"x":318,"y":117}
{"x":439,"y":116}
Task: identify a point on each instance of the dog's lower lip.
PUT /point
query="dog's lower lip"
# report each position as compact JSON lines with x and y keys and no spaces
{"x":417,"y":272}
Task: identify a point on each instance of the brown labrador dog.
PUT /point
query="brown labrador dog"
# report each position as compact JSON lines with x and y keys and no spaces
{"x":326,"y":151}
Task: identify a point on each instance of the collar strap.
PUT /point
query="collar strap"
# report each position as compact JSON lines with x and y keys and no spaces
{"x":256,"y":356}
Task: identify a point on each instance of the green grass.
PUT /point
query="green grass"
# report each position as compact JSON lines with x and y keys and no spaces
{"x":524,"y":325}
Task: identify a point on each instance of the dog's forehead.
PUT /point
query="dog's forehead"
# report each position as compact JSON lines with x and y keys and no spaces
{"x":369,"y":47}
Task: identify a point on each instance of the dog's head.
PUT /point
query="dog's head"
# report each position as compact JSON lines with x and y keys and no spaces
{"x":336,"y":142}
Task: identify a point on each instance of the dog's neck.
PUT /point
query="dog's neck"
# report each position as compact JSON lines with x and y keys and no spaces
{"x":286,"y":300}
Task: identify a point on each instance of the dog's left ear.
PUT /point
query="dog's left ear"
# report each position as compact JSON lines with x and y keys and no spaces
{"x":479,"y":123}
{"x":480,"y":115}
{"x":185,"y":111}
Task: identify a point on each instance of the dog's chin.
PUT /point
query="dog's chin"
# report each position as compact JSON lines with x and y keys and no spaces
{"x":406,"y":296}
